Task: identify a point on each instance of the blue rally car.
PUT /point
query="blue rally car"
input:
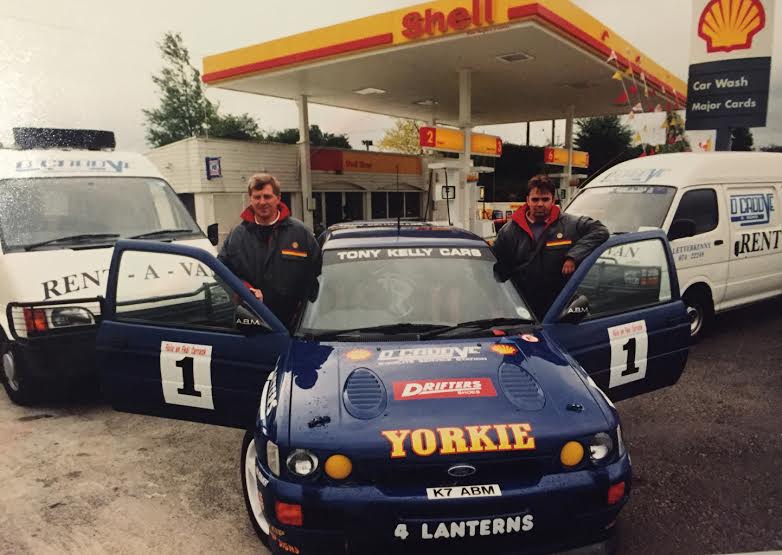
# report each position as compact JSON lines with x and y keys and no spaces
{"x":419,"y":405}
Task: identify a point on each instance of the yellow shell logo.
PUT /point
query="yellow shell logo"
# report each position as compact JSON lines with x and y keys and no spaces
{"x":358,"y":355}
{"x":728,"y":25}
{"x":504,"y":349}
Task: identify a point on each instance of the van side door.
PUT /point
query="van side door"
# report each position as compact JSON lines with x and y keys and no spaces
{"x":632,"y":332}
{"x":702,"y":257}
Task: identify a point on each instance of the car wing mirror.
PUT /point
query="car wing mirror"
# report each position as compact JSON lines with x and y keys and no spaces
{"x":576,"y":311}
{"x":212,"y":233}
{"x":314,"y":290}
{"x":681,"y":228}
{"x":248,"y":322}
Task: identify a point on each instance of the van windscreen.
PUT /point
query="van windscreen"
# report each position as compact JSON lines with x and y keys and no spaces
{"x":624,"y":208}
{"x":61,"y":212}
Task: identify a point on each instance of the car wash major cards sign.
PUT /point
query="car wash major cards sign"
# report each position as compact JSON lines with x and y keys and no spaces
{"x":730,"y":61}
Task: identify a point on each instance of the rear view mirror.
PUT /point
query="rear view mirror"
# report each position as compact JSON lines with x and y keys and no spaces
{"x":248,"y":322}
{"x":576,"y":311}
{"x":211,"y":234}
{"x":681,"y":229}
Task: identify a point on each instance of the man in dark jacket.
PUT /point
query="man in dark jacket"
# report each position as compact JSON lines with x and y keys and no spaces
{"x":276,"y":255}
{"x":540,"y":247}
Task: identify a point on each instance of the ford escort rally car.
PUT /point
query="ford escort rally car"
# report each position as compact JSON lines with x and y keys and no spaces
{"x":418,"y":405}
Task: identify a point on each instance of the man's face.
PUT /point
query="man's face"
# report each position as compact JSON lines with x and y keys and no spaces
{"x":265,"y":203}
{"x":540,"y":203}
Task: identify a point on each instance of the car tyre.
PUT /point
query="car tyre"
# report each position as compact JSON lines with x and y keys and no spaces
{"x":699,"y":310}
{"x":251,"y":490}
{"x":18,"y":384}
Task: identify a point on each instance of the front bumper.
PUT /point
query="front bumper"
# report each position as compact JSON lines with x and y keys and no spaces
{"x":559,"y":513}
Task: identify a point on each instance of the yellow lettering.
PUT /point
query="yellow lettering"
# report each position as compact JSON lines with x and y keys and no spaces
{"x":479,"y":441}
{"x":522,"y":437}
{"x":452,"y":441}
{"x":424,"y":442}
{"x":397,"y":439}
{"x":502,"y":435}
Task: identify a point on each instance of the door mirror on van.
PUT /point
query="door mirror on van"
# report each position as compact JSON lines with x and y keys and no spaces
{"x":577,"y":310}
{"x":211,"y":233}
{"x":680,"y":229}
{"x":248,"y":322}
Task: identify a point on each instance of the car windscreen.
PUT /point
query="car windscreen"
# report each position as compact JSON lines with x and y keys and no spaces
{"x":624,"y":208}
{"x":49,"y":211}
{"x":372,"y":287}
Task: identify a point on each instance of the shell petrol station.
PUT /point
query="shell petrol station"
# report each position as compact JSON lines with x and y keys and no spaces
{"x":454,"y":64}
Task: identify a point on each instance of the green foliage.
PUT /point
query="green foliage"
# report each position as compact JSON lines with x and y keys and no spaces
{"x":317,"y":137}
{"x":675,"y":141}
{"x":771,"y":148}
{"x":605,"y":138}
{"x":184,"y":111}
{"x":741,"y":139}
{"x":403,"y":138}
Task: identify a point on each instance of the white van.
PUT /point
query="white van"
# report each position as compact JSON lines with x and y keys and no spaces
{"x":61,"y":212}
{"x":721,"y":213}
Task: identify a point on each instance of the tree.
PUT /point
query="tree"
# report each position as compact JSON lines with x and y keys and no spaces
{"x":184,"y":110}
{"x":771,"y":148}
{"x":403,"y":138}
{"x":317,"y":137}
{"x":741,"y":139}
{"x":605,"y":138}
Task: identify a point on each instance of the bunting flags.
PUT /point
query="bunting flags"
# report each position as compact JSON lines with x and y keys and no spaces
{"x":646,"y":86}
{"x":638,"y":108}
{"x":617,"y":76}
{"x":633,"y":89}
{"x":612,"y":57}
{"x":658,"y":108}
{"x":622,"y":98}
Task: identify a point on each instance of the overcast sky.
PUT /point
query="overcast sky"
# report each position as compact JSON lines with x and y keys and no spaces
{"x":88,"y":63}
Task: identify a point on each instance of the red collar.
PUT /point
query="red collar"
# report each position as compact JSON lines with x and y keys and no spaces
{"x":249,"y":216}
{"x":520,"y":217}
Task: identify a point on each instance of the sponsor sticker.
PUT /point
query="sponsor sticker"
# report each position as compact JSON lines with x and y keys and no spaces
{"x":530,"y":338}
{"x":504,"y":349}
{"x":425,"y":355}
{"x":444,"y":388}
{"x":515,"y":524}
{"x":458,"y":492}
{"x":452,"y":440}
{"x":358,"y":355}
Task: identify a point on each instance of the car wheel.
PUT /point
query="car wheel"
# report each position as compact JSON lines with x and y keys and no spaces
{"x":252,"y":492}
{"x":700,"y":312}
{"x":17,"y":383}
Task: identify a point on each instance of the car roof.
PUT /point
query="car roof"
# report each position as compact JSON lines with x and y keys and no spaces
{"x":406,"y":233}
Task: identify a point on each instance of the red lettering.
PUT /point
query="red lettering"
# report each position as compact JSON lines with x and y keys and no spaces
{"x":412,"y":24}
{"x":433,"y":18}
{"x":459,"y":19}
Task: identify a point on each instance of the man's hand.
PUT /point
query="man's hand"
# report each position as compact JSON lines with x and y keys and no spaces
{"x":257,"y":293}
{"x":568,"y":267}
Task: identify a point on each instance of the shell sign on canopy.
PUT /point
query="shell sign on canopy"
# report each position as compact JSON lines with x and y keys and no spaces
{"x":728,"y":25}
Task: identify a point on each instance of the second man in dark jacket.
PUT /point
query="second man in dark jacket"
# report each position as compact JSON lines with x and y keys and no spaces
{"x":540,"y":247}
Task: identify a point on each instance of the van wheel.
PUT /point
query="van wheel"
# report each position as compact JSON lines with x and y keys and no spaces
{"x":700,"y":311}
{"x":252,"y":490}
{"x":17,"y":383}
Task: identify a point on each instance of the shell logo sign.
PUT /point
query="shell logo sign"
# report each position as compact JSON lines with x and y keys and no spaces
{"x":728,"y":25}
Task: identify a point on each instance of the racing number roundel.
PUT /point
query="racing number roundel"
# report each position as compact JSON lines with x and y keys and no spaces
{"x":186,"y":374}
{"x":629,"y":349}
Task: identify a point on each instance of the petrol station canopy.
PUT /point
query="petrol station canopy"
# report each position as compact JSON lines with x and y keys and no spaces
{"x":529,"y":61}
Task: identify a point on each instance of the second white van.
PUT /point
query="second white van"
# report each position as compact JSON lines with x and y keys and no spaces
{"x":720,"y":211}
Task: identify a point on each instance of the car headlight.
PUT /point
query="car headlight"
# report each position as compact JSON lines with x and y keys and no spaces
{"x":273,"y":457}
{"x":302,"y":463}
{"x":600,"y":447}
{"x":69,"y":316}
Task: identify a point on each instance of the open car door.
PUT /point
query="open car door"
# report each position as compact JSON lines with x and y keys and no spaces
{"x":621,"y":317}
{"x":183,"y":338}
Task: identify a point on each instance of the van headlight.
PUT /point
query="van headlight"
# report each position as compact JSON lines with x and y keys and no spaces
{"x":70,"y":316}
{"x":302,"y":462}
{"x":600,"y":447}
{"x":273,"y":457}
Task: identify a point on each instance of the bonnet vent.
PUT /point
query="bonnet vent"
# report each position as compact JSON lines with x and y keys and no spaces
{"x":364,"y":394}
{"x":521,"y":388}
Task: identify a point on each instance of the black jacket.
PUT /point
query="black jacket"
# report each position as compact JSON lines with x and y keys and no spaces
{"x":536,"y":266}
{"x":282,"y":260}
